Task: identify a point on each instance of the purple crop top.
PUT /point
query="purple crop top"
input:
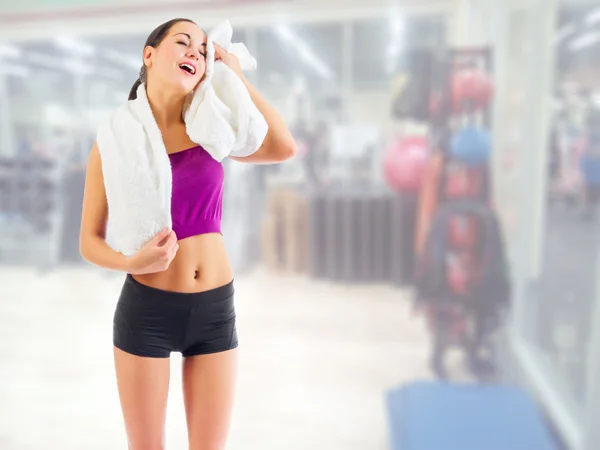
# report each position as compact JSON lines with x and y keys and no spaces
{"x":196,"y":200}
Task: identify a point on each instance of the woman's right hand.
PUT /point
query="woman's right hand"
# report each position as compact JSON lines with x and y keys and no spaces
{"x":156,"y":255}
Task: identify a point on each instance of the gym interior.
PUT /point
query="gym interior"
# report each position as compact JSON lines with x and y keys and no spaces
{"x":422,"y":275}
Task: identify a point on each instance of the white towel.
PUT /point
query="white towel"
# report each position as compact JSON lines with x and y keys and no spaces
{"x":220,"y":116}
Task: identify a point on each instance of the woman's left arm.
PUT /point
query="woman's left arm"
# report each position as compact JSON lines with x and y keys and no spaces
{"x":279,"y":144}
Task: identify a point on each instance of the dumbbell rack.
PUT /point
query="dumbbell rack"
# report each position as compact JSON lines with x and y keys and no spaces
{"x":447,"y":122}
{"x":30,"y":205}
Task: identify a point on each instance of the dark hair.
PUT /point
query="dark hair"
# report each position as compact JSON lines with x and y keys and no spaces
{"x":154,"y":40}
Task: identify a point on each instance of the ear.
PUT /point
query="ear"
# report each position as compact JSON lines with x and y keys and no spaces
{"x":148,"y":56}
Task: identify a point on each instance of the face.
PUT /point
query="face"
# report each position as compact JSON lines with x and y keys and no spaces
{"x":180,"y":59}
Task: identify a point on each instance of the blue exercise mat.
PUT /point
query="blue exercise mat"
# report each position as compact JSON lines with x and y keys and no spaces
{"x":446,"y":416}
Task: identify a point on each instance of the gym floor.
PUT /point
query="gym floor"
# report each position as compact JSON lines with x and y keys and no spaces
{"x":315,"y":359}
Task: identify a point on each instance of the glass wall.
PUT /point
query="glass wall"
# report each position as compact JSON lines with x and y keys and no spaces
{"x":570,"y":241}
{"x":546,"y":189}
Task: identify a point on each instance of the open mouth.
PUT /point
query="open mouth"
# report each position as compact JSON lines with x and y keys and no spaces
{"x":188,"y":68}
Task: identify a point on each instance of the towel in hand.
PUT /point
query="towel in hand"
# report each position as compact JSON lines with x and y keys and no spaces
{"x":221,"y":115}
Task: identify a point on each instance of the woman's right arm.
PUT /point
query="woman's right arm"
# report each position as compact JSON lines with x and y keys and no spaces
{"x":92,"y":238}
{"x":155,"y":256}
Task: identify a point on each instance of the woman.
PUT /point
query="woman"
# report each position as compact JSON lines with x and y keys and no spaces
{"x":178,"y":292}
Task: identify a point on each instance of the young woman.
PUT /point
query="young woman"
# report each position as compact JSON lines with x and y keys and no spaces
{"x":178,"y":291}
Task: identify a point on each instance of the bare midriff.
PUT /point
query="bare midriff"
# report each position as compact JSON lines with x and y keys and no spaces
{"x":201,"y":264}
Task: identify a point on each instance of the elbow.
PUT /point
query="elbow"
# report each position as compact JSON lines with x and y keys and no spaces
{"x":275,"y":150}
{"x":83,"y":250}
{"x":290,"y":149}
{"x":287,"y":149}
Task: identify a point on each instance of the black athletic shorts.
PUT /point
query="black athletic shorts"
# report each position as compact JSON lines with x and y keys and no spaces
{"x":153,"y":323}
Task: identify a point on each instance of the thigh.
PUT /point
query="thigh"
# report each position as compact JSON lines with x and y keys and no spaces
{"x":143,"y":390}
{"x":209,"y":389}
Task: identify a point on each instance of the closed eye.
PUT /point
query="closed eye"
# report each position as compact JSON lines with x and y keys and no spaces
{"x":203,"y":53}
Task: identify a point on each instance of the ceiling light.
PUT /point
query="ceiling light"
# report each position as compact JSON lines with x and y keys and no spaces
{"x":75,"y":46}
{"x":564,"y":32}
{"x":309,"y":57}
{"x":9,"y":51}
{"x":585,"y":41}
{"x":395,"y":44}
{"x":397,"y":25}
{"x":593,"y":17}
{"x":284,"y":32}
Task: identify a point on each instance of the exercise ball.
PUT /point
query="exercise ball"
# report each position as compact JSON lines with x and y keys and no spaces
{"x":473,"y":88}
{"x":405,"y":163}
{"x":471,"y":145}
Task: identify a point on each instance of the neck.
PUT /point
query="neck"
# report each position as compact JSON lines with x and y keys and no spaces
{"x":166,"y":106}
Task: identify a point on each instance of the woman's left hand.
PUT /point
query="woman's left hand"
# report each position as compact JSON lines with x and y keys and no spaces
{"x":229,"y":60}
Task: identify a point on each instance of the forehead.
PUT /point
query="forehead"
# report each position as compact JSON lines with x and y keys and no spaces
{"x":196,"y":33}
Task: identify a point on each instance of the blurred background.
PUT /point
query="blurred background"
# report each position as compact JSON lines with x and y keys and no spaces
{"x":421,"y":276}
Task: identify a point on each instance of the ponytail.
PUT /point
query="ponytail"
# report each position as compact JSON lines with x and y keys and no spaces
{"x":141,"y":79}
{"x":134,"y":88}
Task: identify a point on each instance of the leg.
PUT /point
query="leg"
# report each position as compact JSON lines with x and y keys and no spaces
{"x":143,"y":389}
{"x":441,"y":331}
{"x":479,"y":357}
{"x":209,"y":387}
